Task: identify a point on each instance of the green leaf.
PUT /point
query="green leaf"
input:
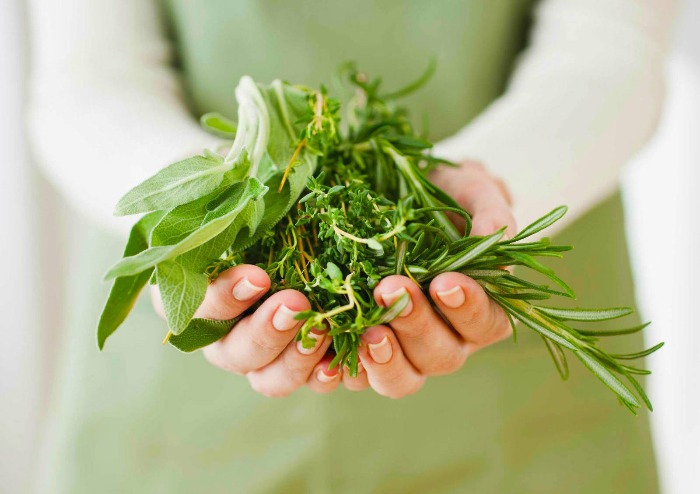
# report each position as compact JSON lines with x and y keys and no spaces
{"x":458,"y":262}
{"x":415,"y":85}
{"x":125,"y":290}
{"x":426,"y":191}
{"x":527,"y":319}
{"x":637,"y":355}
{"x":212,"y":225}
{"x":394,"y":309}
{"x":271,"y":139}
{"x":586,"y":314}
{"x":200,"y":333}
{"x":607,"y":377}
{"x":542,"y":223}
{"x":486,"y":273}
{"x":217,"y":124}
{"x":641,"y":392}
{"x":512,"y":281}
{"x":375,"y":245}
{"x":238,"y":232}
{"x":182,"y":292}
{"x":531,"y":263}
{"x":334,"y":272}
{"x":612,"y":332}
{"x":174,"y":185}
{"x":527,"y":296}
{"x":558,"y":357}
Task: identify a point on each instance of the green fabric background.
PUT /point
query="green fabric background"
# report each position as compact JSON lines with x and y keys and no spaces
{"x":144,"y":418}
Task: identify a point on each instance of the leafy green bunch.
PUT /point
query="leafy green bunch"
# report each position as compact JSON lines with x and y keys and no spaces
{"x":330,"y":210}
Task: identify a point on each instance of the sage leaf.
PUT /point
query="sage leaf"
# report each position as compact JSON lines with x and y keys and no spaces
{"x":238,"y":232}
{"x":174,"y":185}
{"x":182,"y":292}
{"x":200,"y":333}
{"x":125,"y":290}
{"x":212,"y":225}
{"x":218,"y":125}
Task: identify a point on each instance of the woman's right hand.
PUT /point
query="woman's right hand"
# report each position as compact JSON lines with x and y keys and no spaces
{"x":262,"y":346}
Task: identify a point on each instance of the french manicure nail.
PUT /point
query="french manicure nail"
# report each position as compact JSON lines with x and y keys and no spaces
{"x":381,"y":352}
{"x":318,"y":338}
{"x":452,"y":298}
{"x":325,"y":378}
{"x":244,"y":290}
{"x":284,"y":318}
{"x":390,"y":298}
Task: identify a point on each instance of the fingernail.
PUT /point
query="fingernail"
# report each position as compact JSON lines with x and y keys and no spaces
{"x":325,"y":378}
{"x":381,"y":352}
{"x":453,"y":298}
{"x":318,"y":338}
{"x":390,"y":298}
{"x":244,"y":290}
{"x":284,"y":318}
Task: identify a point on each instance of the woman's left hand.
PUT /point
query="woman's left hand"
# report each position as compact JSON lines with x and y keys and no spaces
{"x":396,"y":359}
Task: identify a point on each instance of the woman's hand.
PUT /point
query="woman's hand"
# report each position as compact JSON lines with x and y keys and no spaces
{"x":397,"y":358}
{"x":261,"y":346}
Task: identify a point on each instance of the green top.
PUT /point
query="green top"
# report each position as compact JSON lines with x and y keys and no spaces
{"x":138,"y":418}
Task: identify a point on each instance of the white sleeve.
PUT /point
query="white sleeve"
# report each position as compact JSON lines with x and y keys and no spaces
{"x":585,"y":97}
{"x":106,"y":108}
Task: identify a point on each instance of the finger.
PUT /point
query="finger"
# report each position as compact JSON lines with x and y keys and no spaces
{"x":482,"y":195}
{"x":471,"y":312}
{"x":259,"y":338}
{"x":428,"y":342}
{"x":388,"y":370}
{"x":324,"y":380}
{"x":489,"y":208}
{"x":357,"y":383}
{"x":292,"y":368}
{"x":233,"y":292}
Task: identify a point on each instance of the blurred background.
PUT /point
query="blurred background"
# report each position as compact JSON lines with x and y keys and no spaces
{"x":659,"y":192}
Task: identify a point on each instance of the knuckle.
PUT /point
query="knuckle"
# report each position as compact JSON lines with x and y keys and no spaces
{"x":216,"y":359}
{"x":261,"y":345}
{"x":355,"y":386}
{"x":296,"y":371}
{"x":419,"y":329}
{"x":502,"y":332}
{"x":407,"y":389}
{"x":450,"y":362}
{"x":267,"y":388}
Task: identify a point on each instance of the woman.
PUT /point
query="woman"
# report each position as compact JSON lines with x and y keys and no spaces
{"x":109,"y":110}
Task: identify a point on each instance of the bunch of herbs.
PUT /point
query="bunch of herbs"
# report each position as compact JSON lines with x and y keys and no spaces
{"x":330,"y":210}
